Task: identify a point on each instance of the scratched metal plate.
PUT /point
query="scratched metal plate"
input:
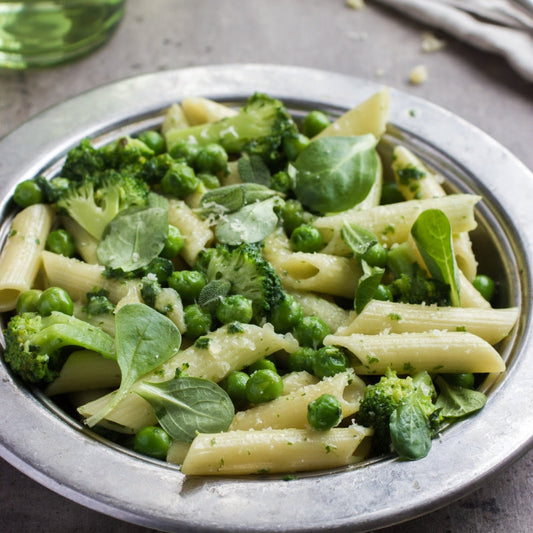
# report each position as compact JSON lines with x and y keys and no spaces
{"x":46,"y":444}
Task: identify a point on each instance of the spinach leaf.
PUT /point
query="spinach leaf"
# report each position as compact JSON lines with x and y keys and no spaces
{"x":336,"y":173}
{"x":250,"y":224}
{"x":187,"y":406}
{"x":432,"y":234}
{"x":410,"y":431}
{"x":231,"y":198}
{"x":252,"y":169}
{"x":135,"y":236}
{"x":358,"y":239}
{"x":144,"y":340}
{"x":456,"y":402}
{"x":368,"y":283}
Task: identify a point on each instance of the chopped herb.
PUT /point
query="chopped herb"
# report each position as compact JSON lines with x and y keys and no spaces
{"x":202,"y":343}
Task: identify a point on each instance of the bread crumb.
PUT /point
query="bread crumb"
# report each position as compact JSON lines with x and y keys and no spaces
{"x":418,"y":75}
{"x":430,"y":43}
{"x":355,"y":4}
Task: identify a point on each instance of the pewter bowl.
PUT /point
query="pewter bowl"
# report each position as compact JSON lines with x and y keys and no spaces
{"x":44,"y":442}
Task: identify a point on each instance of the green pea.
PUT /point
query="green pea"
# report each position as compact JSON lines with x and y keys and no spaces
{"x":209,"y":180}
{"x":383,"y":293}
{"x":28,"y":193}
{"x":179,"y":181}
{"x":264,"y":386}
{"x":485,"y":286}
{"x":310,"y":331}
{"x":234,"y":308}
{"x":376,"y":255}
{"x":466,"y":380}
{"x":173,"y":243}
{"x":306,"y":238}
{"x":281,"y":182}
{"x":186,"y":151}
{"x":211,"y":158}
{"x":390,"y":194}
{"x":55,"y":299}
{"x":301,"y":359}
{"x":235,"y":385}
{"x":197,"y":321}
{"x":188,"y":283}
{"x":324,"y":413}
{"x":154,"y":140}
{"x":60,"y":242}
{"x":328,"y":361}
{"x":161,"y":268}
{"x":262,"y":364}
{"x":293,"y":215}
{"x":28,"y":301}
{"x":315,"y":122}
{"x":152,"y":441}
{"x":294,"y":144}
{"x":286,"y":314}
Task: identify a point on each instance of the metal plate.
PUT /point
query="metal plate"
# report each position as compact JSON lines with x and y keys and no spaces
{"x":47,"y":445}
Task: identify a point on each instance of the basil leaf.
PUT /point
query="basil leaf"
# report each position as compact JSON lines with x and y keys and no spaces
{"x":368,"y":283}
{"x":432,"y":234}
{"x":231,"y":198}
{"x":457,"y":402}
{"x":188,"y":406}
{"x":358,"y":239}
{"x":213,"y":292}
{"x":252,"y":169}
{"x":336,"y":173}
{"x":135,"y":236}
{"x":144,"y":340}
{"x":250,"y":224}
{"x":409,"y":430}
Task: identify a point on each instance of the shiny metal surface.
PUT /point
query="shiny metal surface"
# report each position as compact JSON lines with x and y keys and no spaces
{"x":47,"y":445}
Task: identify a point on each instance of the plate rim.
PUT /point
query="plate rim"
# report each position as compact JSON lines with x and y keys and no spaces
{"x":50,"y":133}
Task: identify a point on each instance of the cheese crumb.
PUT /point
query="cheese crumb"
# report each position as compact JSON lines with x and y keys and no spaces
{"x":418,"y":75}
{"x":355,"y":4}
{"x":430,"y":43}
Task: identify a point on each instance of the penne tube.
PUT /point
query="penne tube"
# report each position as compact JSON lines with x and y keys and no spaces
{"x":291,"y":410}
{"x":296,"y":380}
{"x":273,"y":451}
{"x":392,"y":223}
{"x":407,"y":353}
{"x":492,"y":325}
{"x":20,"y":259}
{"x":86,"y":244}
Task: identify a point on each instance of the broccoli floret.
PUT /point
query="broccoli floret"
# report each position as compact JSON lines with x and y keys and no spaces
{"x":83,"y":161}
{"x":94,"y":202}
{"x":248,"y":273}
{"x":259,"y":128}
{"x":34,"y":343}
{"x":416,"y":288}
{"x":381,"y":399}
{"x":98,"y":303}
{"x":125,"y":152}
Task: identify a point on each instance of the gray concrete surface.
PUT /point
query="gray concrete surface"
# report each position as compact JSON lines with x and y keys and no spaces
{"x":373,"y":43}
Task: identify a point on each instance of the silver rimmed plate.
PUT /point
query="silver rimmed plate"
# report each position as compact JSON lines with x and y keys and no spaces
{"x":46,"y":444}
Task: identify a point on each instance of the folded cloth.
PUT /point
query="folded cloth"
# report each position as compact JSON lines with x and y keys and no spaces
{"x":504,"y":27}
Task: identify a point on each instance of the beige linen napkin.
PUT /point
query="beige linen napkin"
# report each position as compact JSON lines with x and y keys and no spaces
{"x":504,"y":27}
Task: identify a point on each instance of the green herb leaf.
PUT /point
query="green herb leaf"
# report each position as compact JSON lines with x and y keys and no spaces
{"x":135,"y":236}
{"x":252,"y":169}
{"x":213,"y":292}
{"x":188,"y":406}
{"x":231,"y":198}
{"x":410,"y":431}
{"x":456,"y":402}
{"x":250,"y":224}
{"x":368,"y":283}
{"x":336,"y":173}
{"x":358,"y":239}
{"x":433,"y":237}
{"x":144,"y":339}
